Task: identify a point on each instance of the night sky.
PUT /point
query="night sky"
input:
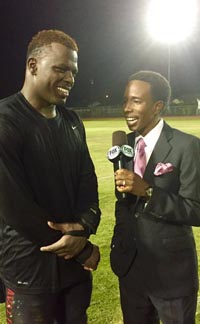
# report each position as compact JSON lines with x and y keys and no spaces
{"x":113,"y":43}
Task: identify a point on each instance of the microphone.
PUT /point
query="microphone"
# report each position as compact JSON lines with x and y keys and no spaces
{"x":120,"y":154}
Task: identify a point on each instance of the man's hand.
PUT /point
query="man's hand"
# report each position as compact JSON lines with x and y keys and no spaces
{"x":68,"y":246}
{"x":92,"y":262}
{"x":128,"y":181}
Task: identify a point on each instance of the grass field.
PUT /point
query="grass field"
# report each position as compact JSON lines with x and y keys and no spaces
{"x":105,"y":307}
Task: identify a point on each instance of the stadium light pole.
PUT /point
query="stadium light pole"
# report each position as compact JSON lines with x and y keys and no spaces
{"x":169,"y":63}
{"x":171,"y":22}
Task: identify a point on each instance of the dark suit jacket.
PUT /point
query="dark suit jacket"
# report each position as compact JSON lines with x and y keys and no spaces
{"x":160,"y":233}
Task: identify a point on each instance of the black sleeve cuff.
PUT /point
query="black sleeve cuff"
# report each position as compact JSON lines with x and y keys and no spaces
{"x":90,"y":219}
{"x":85,"y":232}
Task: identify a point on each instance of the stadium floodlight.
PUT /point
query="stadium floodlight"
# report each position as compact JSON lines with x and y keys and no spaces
{"x":171,"y":21}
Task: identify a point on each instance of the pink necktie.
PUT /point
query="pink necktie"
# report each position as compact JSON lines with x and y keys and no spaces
{"x":140,"y":159}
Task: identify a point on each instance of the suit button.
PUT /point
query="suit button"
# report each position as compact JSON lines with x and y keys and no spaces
{"x":137,"y":215}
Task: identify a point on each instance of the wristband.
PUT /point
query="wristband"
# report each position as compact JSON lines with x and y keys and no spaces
{"x":85,"y":253}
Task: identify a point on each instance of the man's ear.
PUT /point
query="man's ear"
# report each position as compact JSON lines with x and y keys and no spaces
{"x":159,"y":105}
{"x":32,"y":65}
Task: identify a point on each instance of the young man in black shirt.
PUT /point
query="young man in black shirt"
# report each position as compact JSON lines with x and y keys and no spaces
{"x":48,"y":192}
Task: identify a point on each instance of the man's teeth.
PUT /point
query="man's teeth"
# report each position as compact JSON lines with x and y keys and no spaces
{"x":63,"y":90}
{"x":130,"y":119}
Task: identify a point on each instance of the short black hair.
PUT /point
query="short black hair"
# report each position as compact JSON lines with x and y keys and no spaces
{"x":46,"y":37}
{"x":160,"y":87}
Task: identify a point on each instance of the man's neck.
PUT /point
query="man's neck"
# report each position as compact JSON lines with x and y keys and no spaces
{"x":46,"y":111}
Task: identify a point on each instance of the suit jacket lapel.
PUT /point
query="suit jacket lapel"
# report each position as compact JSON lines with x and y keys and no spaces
{"x":160,"y":152}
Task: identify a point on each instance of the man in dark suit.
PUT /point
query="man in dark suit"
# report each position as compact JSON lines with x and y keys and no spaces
{"x":153,"y":250}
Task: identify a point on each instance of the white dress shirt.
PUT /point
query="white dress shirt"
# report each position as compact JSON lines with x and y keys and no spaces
{"x":151,"y":139}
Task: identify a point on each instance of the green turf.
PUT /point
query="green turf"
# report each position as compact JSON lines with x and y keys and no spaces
{"x":105,"y":307}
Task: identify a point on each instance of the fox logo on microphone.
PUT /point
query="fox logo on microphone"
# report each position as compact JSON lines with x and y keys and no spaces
{"x":113,"y":153}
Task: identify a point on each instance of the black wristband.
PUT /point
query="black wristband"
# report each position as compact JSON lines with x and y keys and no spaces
{"x":85,"y":253}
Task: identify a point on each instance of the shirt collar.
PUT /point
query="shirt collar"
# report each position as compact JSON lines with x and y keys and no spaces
{"x":151,"y":138}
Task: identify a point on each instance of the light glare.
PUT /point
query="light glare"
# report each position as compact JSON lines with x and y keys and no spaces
{"x":171,"y":21}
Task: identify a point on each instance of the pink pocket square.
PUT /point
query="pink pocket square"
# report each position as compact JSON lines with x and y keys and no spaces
{"x":162,"y":168}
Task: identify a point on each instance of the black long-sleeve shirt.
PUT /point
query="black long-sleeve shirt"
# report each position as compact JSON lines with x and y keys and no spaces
{"x":46,"y":173}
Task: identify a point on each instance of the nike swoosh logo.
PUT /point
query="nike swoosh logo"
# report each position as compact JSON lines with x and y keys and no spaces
{"x":74,"y":127}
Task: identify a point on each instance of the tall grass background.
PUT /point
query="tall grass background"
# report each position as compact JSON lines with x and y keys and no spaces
{"x":105,"y":304}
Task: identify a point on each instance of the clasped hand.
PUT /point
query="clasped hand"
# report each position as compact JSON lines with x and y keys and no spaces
{"x":68,"y":246}
{"x":92,"y":262}
{"x":129,"y":182}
